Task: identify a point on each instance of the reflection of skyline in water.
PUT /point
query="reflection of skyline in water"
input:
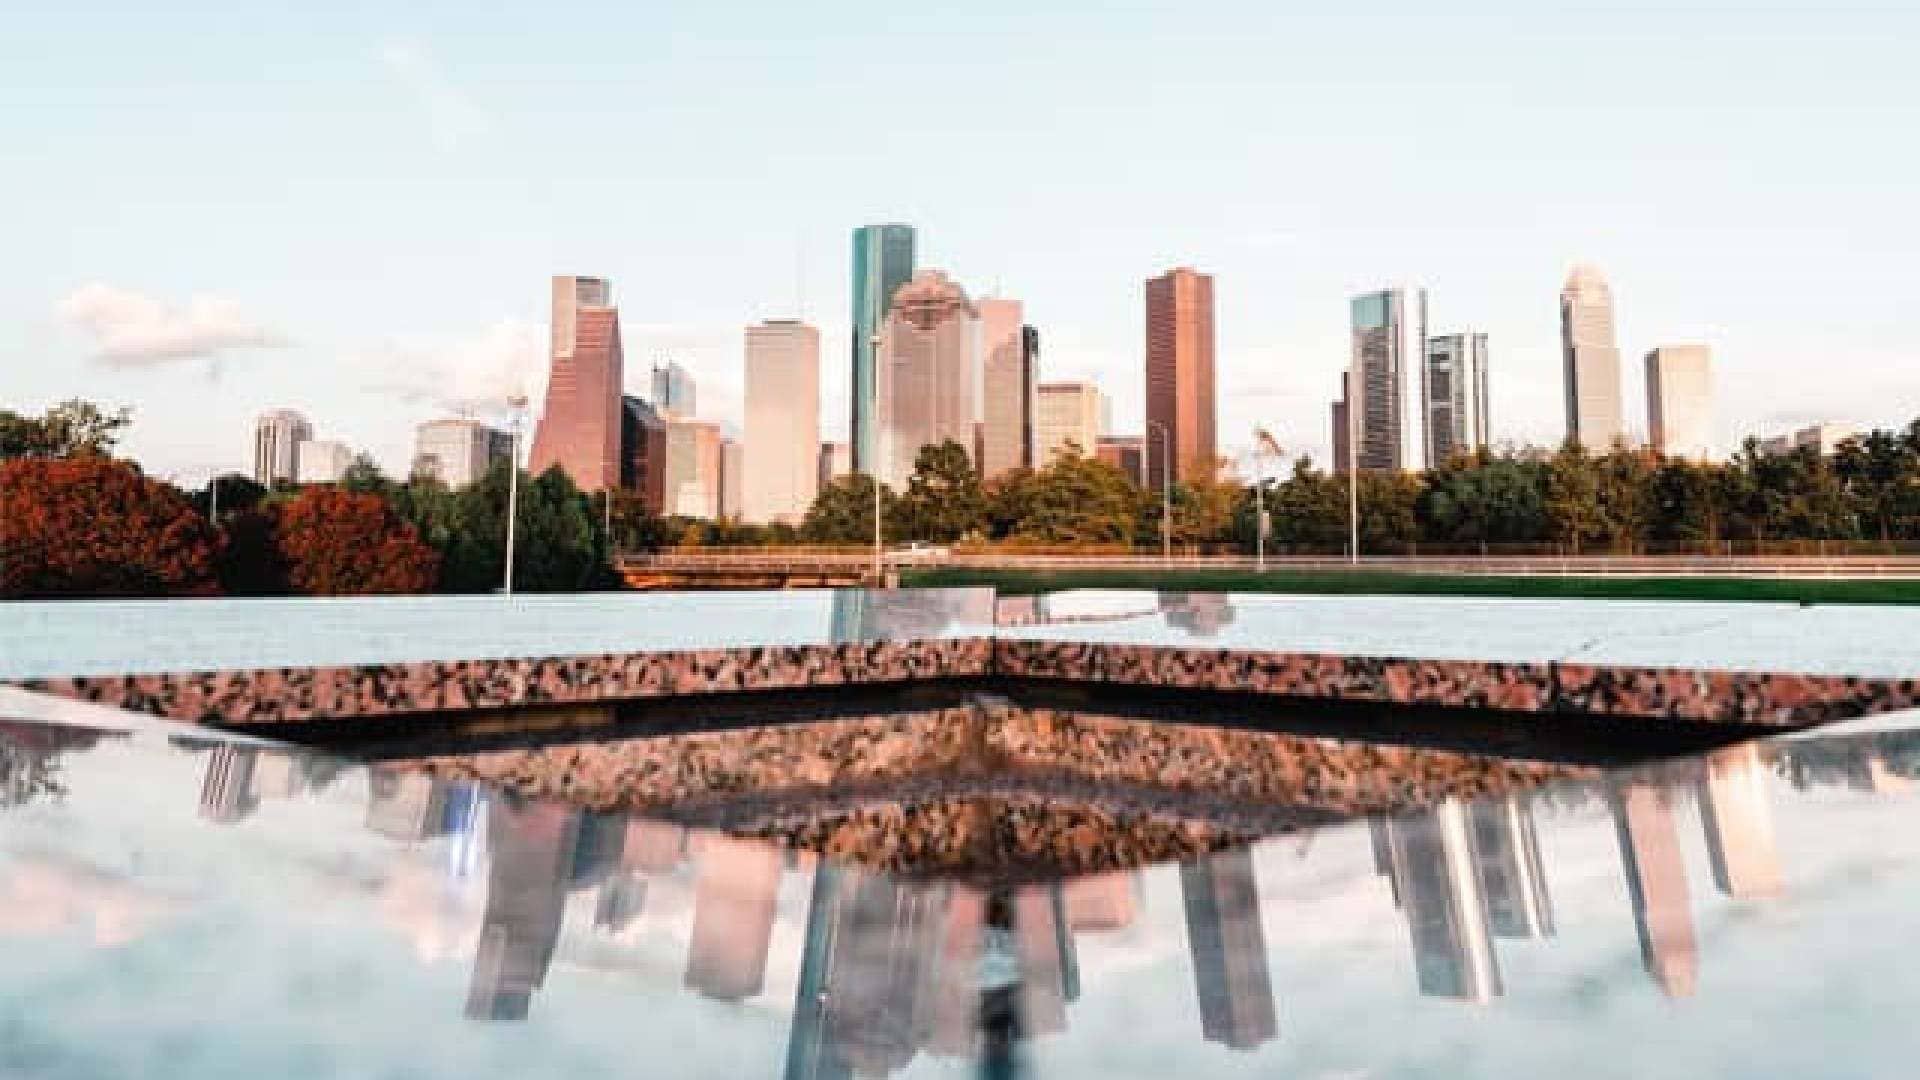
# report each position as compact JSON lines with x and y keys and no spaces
{"x":891,"y":969}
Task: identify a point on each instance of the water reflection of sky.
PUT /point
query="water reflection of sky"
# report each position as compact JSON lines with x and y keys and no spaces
{"x":229,"y":910}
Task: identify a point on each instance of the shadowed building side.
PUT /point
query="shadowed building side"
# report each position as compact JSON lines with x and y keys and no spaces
{"x":735,"y":893}
{"x":1657,"y":882}
{"x":1229,"y":950}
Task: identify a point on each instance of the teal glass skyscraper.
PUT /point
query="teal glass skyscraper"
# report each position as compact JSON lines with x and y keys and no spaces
{"x":882,"y":262}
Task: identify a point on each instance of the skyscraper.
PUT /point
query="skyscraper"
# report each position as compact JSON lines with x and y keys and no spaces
{"x":732,"y":457}
{"x":322,"y":461}
{"x":836,"y":461}
{"x":1007,"y":389}
{"x":277,"y":436}
{"x":1453,"y":396}
{"x":782,"y":437}
{"x":1739,"y":823}
{"x":691,"y":477}
{"x":1180,"y":375}
{"x":579,"y":427}
{"x":643,"y":453}
{"x":673,"y":390}
{"x":1229,"y":950}
{"x":1387,"y":337}
{"x":1126,"y":453}
{"x":733,"y":909}
{"x":1592,"y":360}
{"x":457,"y":452}
{"x":930,"y":372}
{"x":1343,"y":428}
{"x":1657,"y":883}
{"x":1068,"y":414}
{"x":882,"y":262}
{"x":1436,"y":876}
{"x":1680,"y":401}
{"x":1511,"y":874}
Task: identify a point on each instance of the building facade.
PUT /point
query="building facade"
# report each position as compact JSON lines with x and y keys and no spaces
{"x":1007,"y":389}
{"x":1127,"y":454}
{"x":1453,"y":396}
{"x":1389,"y":332}
{"x":457,"y":452}
{"x":781,"y":442}
{"x":1068,"y":415}
{"x":674,"y":392}
{"x":579,"y":428}
{"x":1823,"y":439}
{"x":643,"y":453}
{"x":1180,"y":375}
{"x":882,"y":262}
{"x":1680,"y":401}
{"x":692,"y":480}
{"x":929,"y":374}
{"x":732,"y":480}
{"x":836,"y":461}
{"x":1591,"y":358}
{"x":321,"y":461}
{"x":277,"y":436}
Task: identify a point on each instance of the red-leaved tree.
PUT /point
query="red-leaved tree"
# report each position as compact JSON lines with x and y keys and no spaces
{"x":334,"y":542}
{"x":89,"y":525}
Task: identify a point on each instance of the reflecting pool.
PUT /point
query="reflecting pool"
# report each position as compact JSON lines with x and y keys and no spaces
{"x":994,"y":890}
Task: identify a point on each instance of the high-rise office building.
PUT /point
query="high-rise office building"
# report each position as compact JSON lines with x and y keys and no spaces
{"x":1128,"y":454}
{"x":737,"y":884}
{"x":1437,"y":883}
{"x":277,"y":436}
{"x":929,"y":372}
{"x":1657,"y":883}
{"x":1229,"y":950}
{"x":1007,"y":389}
{"x":692,"y":473}
{"x":1453,"y":396}
{"x":882,"y":262}
{"x":781,"y":442}
{"x":1389,"y":333}
{"x":673,"y":390}
{"x":836,"y":461}
{"x":732,"y":468}
{"x":1101,"y":902}
{"x":458,"y":452}
{"x":533,"y":846}
{"x":1823,"y":439}
{"x":1343,"y":428}
{"x":1592,"y":361}
{"x":405,"y":806}
{"x":1739,"y":823}
{"x":1512,"y":877}
{"x":226,"y":789}
{"x":1049,"y":966}
{"x":1180,"y":394}
{"x":579,"y":427}
{"x":643,"y":453}
{"x":322,"y":461}
{"x":1067,"y":415}
{"x":1680,"y":401}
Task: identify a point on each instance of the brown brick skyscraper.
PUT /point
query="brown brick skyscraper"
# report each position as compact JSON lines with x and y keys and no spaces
{"x":1180,"y":374}
{"x":580,"y":426}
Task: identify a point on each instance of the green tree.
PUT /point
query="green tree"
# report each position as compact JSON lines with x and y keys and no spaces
{"x":943,"y":500}
{"x":69,"y":428}
{"x":1574,"y":510}
{"x":1079,"y":500}
{"x":843,"y":512}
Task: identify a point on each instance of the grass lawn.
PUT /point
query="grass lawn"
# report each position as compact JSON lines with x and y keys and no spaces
{"x":1389,"y":583}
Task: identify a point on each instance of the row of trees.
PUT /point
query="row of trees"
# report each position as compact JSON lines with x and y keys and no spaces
{"x":75,"y":521}
{"x":1626,"y":501}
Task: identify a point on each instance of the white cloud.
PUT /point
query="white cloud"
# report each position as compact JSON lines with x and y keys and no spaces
{"x":479,"y":374}
{"x":133,"y":328}
{"x":452,"y":117}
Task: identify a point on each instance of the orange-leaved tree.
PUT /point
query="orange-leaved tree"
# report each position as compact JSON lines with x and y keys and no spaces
{"x":334,"y":542}
{"x":89,"y":525}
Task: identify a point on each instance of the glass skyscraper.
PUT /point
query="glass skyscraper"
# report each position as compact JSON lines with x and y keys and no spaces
{"x":882,"y":262}
{"x":1592,"y":360}
{"x":1385,"y":341}
{"x":1453,"y":396}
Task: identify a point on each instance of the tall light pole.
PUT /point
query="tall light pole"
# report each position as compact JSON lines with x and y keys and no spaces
{"x":873,"y":467}
{"x":213,"y":499}
{"x":518,"y":405}
{"x":1263,"y":445}
{"x":1166,"y":491}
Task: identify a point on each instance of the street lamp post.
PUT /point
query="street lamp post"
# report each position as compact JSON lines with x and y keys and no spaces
{"x":873,"y":464}
{"x":517,"y":404}
{"x":1263,"y":447}
{"x":213,"y":498}
{"x":1166,"y":491}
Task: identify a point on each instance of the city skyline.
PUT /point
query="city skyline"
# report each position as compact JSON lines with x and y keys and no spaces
{"x":232,"y":277}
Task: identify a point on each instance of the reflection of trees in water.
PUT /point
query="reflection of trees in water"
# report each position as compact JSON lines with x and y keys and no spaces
{"x":30,"y":760}
{"x":1858,"y":761}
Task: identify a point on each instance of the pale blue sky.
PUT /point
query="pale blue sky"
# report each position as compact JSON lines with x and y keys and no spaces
{"x":382,"y":191}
